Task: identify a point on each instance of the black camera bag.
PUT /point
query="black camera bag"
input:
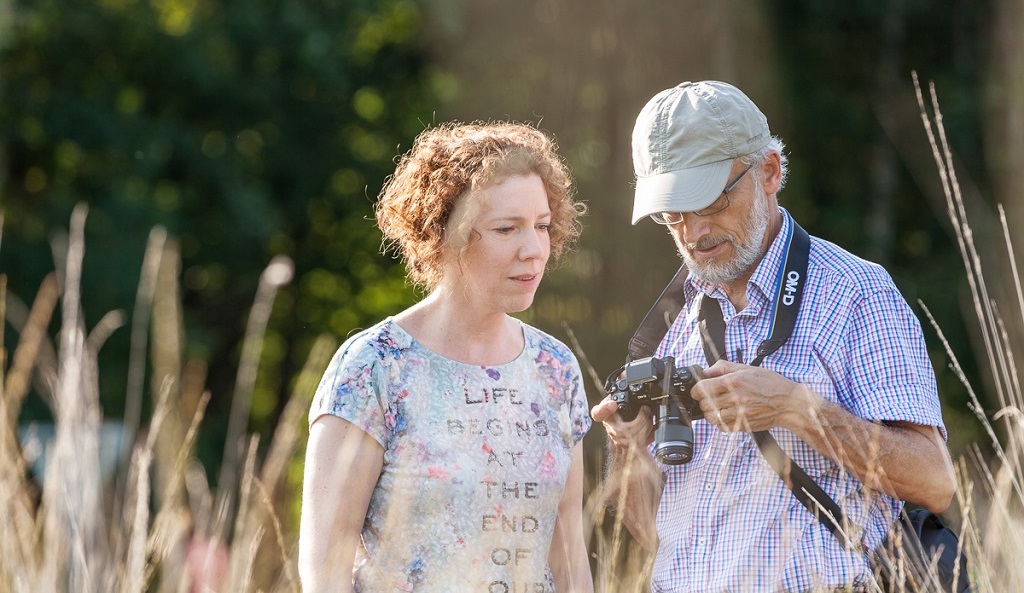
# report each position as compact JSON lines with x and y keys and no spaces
{"x":920,"y":540}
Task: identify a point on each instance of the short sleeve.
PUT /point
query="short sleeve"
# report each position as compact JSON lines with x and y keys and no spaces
{"x":579,"y":407}
{"x":560,"y":370}
{"x":354,"y":388}
{"x":888,"y":369}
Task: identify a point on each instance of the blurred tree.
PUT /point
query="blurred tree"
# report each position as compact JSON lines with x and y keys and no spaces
{"x":862,"y":167}
{"x":583,"y":71}
{"x":251,"y":128}
{"x":247,"y":128}
{"x":1003,"y":96}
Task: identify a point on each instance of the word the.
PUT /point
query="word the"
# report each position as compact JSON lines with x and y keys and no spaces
{"x":511,"y":490}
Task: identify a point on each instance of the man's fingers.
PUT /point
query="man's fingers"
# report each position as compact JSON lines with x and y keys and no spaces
{"x":604,"y":410}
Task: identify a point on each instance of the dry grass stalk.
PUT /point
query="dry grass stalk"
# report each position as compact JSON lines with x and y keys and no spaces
{"x":33,"y":335}
{"x":65,"y":533}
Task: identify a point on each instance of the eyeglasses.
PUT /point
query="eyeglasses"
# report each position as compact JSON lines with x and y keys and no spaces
{"x":670,"y":218}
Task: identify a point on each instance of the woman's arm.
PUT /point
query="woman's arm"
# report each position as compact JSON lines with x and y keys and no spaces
{"x":568,"y":555}
{"x":343,"y":464}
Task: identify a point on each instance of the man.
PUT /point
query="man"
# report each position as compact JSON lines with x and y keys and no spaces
{"x":851,"y":396}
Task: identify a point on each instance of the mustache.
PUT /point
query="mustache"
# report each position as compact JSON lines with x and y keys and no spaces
{"x":709,"y":242}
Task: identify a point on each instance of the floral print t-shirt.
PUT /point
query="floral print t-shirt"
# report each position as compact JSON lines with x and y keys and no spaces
{"x":475,"y":459}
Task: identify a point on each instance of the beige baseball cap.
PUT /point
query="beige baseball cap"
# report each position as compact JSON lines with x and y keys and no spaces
{"x":684,"y":143}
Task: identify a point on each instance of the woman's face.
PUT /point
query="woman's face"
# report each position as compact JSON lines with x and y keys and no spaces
{"x":508,"y":249}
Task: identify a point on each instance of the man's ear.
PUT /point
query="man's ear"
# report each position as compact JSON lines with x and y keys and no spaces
{"x":772,"y":173}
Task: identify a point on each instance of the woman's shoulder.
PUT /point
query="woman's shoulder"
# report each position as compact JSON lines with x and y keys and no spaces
{"x":546,"y":349}
{"x":356,"y":385}
{"x":380,"y":343}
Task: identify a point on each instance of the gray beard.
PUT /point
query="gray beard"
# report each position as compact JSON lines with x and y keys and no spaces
{"x":747,"y":254}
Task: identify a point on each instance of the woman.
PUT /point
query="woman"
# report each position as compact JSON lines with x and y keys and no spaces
{"x":445,"y":445}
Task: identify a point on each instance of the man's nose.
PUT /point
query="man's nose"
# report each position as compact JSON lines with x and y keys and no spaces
{"x":691,"y":228}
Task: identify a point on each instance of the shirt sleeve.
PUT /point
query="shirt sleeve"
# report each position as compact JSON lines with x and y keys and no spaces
{"x":579,"y":406}
{"x":560,"y":369}
{"x":354,"y":388}
{"x":888,"y":373}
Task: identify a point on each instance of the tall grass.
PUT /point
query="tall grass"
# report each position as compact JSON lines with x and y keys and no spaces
{"x":990,"y":499}
{"x":159,"y":526}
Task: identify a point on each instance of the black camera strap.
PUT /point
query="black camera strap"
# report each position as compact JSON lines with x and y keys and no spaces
{"x":788,"y":295}
{"x":657,"y":321}
{"x":789,"y":292}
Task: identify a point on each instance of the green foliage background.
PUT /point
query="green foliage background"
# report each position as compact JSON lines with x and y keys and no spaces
{"x":247,"y":129}
{"x":251,"y":128}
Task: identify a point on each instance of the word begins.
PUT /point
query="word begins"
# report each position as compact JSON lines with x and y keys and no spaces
{"x":497,"y":427}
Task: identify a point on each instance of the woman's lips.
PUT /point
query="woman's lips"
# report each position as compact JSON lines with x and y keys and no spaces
{"x":526,"y":278}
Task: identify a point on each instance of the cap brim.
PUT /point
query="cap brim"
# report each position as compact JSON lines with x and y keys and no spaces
{"x":685,"y":190}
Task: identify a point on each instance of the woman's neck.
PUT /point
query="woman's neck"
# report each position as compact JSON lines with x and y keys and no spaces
{"x":460,"y":333}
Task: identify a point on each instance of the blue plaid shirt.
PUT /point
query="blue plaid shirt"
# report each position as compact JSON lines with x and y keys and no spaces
{"x":726,"y":521}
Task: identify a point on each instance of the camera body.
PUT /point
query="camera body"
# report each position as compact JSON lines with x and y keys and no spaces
{"x":639,"y":383}
{"x":665,"y":389}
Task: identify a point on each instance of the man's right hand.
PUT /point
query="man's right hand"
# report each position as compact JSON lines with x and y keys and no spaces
{"x":635,"y":491}
{"x":637,"y":433}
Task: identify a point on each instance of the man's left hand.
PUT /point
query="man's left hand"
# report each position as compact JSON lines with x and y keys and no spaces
{"x":743,"y":398}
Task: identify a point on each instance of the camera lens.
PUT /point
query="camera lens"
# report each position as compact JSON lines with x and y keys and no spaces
{"x":673,"y":437}
{"x":676,"y":452}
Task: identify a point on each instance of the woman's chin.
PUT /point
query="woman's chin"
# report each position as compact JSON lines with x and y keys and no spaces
{"x":518,"y":305}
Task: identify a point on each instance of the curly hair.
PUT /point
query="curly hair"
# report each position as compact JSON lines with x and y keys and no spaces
{"x":452,"y":161}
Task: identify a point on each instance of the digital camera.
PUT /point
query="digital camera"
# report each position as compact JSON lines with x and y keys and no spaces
{"x":665,"y":389}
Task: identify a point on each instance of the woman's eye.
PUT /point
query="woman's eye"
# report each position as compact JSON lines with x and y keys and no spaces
{"x":546,"y":226}
{"x":505,"y":230}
